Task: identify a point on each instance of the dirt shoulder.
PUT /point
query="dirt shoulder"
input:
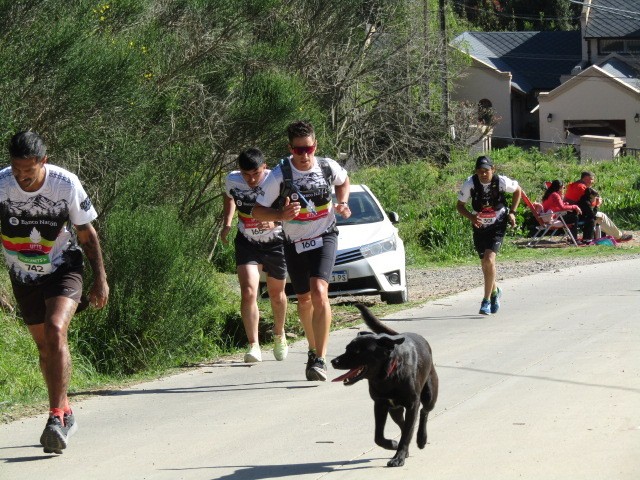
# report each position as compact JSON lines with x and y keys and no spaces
{"x":427,"y":284}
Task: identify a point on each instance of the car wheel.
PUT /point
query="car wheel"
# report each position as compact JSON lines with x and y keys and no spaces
{"x":394,"y":298}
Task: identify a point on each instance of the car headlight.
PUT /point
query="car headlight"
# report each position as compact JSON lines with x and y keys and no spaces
{"x":382,"y":246}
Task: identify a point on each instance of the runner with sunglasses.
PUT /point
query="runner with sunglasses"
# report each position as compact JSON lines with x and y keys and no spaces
{"x":311,"y":236}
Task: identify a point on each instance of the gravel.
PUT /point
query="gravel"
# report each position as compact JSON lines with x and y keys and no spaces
{"x":431,"y":283}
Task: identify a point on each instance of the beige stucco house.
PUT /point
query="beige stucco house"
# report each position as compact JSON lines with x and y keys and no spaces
{"x":507,"y":70}
{"x":580,"y":88}
{"x":599,"y":102}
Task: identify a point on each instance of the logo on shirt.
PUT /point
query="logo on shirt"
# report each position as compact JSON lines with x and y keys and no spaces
{"x":14,"y":221}
{"x":86,"y":204}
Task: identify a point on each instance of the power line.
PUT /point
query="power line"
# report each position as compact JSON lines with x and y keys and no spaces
{"x":605,"y":8}
{"x":515,"y":15}
{"x":630,"y":14}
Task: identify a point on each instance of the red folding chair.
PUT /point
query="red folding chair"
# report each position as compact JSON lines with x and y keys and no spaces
{"x":549,"y":222}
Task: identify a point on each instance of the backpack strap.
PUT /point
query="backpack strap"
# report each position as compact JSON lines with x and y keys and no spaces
{"x":496,"y":196}
{"x":286,"y":187}
{"x":326,"y":169}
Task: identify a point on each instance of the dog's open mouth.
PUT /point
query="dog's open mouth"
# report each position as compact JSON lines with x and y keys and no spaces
{"x":352,"y":376}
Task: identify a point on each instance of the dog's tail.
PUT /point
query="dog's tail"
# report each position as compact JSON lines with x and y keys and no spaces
{"x":372,"y":321}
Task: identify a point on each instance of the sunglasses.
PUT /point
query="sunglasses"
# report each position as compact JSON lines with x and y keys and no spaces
{"x":303,"y":150}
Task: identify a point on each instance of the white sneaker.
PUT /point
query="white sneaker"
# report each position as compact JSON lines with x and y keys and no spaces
{"x":280,"y":347}
{"x":253,"y":354}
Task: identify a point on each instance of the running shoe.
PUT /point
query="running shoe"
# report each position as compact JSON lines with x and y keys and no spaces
{"x":625,"y":238}
{"x":253,"y":354}
{"x":280,"y":347}
{"x":311,"y":358}
{"x":485,"y":307}
{"x":55,"y":436}
{"x":318,"y":370}
{"x":495,"y":300}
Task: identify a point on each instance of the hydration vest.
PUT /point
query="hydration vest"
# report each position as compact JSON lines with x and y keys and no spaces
{"x":480,"y":200}
{"x":287,"y":187}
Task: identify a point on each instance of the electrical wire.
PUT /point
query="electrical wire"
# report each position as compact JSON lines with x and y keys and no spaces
{"x":514,"y":15}
{"x":605,"y":8}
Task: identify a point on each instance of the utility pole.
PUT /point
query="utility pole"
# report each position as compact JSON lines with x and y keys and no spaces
{"x":444,"y":77}
{"x":427,"y":54}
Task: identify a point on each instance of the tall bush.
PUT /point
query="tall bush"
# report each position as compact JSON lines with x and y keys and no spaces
{"x":164,"y":306}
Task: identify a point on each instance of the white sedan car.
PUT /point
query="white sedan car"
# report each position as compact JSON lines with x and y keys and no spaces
{"x":370,"y":258}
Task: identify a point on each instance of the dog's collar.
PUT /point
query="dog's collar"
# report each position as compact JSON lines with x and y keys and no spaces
{"x":393,"y":365}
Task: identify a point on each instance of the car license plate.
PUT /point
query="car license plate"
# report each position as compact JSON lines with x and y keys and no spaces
{"x":339,"y":276}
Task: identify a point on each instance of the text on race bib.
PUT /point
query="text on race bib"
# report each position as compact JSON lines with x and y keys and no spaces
{"x":310,"y":244}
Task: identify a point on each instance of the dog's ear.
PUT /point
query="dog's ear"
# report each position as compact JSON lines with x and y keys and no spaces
{"x":388,"y":342}
{"x":365,"y":333}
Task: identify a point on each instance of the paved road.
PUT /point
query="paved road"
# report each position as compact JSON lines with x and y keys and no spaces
{"x":547,"y":389}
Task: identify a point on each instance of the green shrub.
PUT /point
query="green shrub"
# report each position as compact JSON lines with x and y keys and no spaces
{"x":166,"y":302}
{"x":20,"y":377}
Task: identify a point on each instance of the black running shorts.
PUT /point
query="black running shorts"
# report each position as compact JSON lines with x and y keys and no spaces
{"x":269,"y":255}
{"x":314,"y":263}
{"x":31,"y":298}
{"x":489,"y":238}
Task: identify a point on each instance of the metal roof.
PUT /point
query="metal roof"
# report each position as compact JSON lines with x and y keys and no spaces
{"x":536,"y":60}
{"x":622,"y":71}
{"x":613,"y":19}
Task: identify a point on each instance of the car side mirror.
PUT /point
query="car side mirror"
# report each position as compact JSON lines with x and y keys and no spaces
{"x":393,"y":217}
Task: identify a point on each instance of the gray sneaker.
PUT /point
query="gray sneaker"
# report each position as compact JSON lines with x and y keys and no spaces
{"x":318,"y":370}
{"x":55,"y":436}
{"x":311,"y":358}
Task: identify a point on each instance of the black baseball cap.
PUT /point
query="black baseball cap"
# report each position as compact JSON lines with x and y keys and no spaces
{"x":484,"y":162}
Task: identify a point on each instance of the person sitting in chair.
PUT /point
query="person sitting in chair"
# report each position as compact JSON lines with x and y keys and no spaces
{"x":552,"y":202}
{"x":588,"y":199}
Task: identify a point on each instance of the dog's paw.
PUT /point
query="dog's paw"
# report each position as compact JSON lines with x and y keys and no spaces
{"x":422,"y":439}
{"x":387,"y":444}
{"x":396,"y":461}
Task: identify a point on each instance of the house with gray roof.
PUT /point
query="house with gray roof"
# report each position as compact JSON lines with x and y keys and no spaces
{"x":599,"y":102}
{"x":559,"y":86}
{"x":509,"y":69}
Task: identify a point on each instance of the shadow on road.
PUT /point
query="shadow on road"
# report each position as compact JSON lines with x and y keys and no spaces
{"x":32,"y":458}
{"x":546,"y":379}
{"x":201,"y":389}
{"x":257,"y":472}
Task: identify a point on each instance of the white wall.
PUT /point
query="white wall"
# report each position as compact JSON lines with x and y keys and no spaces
{"x":478,"y":82}
{"x":591,"y":98}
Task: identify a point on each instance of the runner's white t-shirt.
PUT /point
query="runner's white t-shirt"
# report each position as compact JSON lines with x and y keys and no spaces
{"x":245,"y":198}
{"x":316,"y":215}
{"x":37,"y":235}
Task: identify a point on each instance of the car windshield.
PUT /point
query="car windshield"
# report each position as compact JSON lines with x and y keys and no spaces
{"x":363,"y":210}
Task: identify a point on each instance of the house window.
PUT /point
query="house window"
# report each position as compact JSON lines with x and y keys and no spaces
{"x":618,"y":45}
{"x":485,"y":111}
{"x":633,"y":46}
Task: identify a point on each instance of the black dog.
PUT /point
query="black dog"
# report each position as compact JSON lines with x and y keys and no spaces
{"x":401,"y":374}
